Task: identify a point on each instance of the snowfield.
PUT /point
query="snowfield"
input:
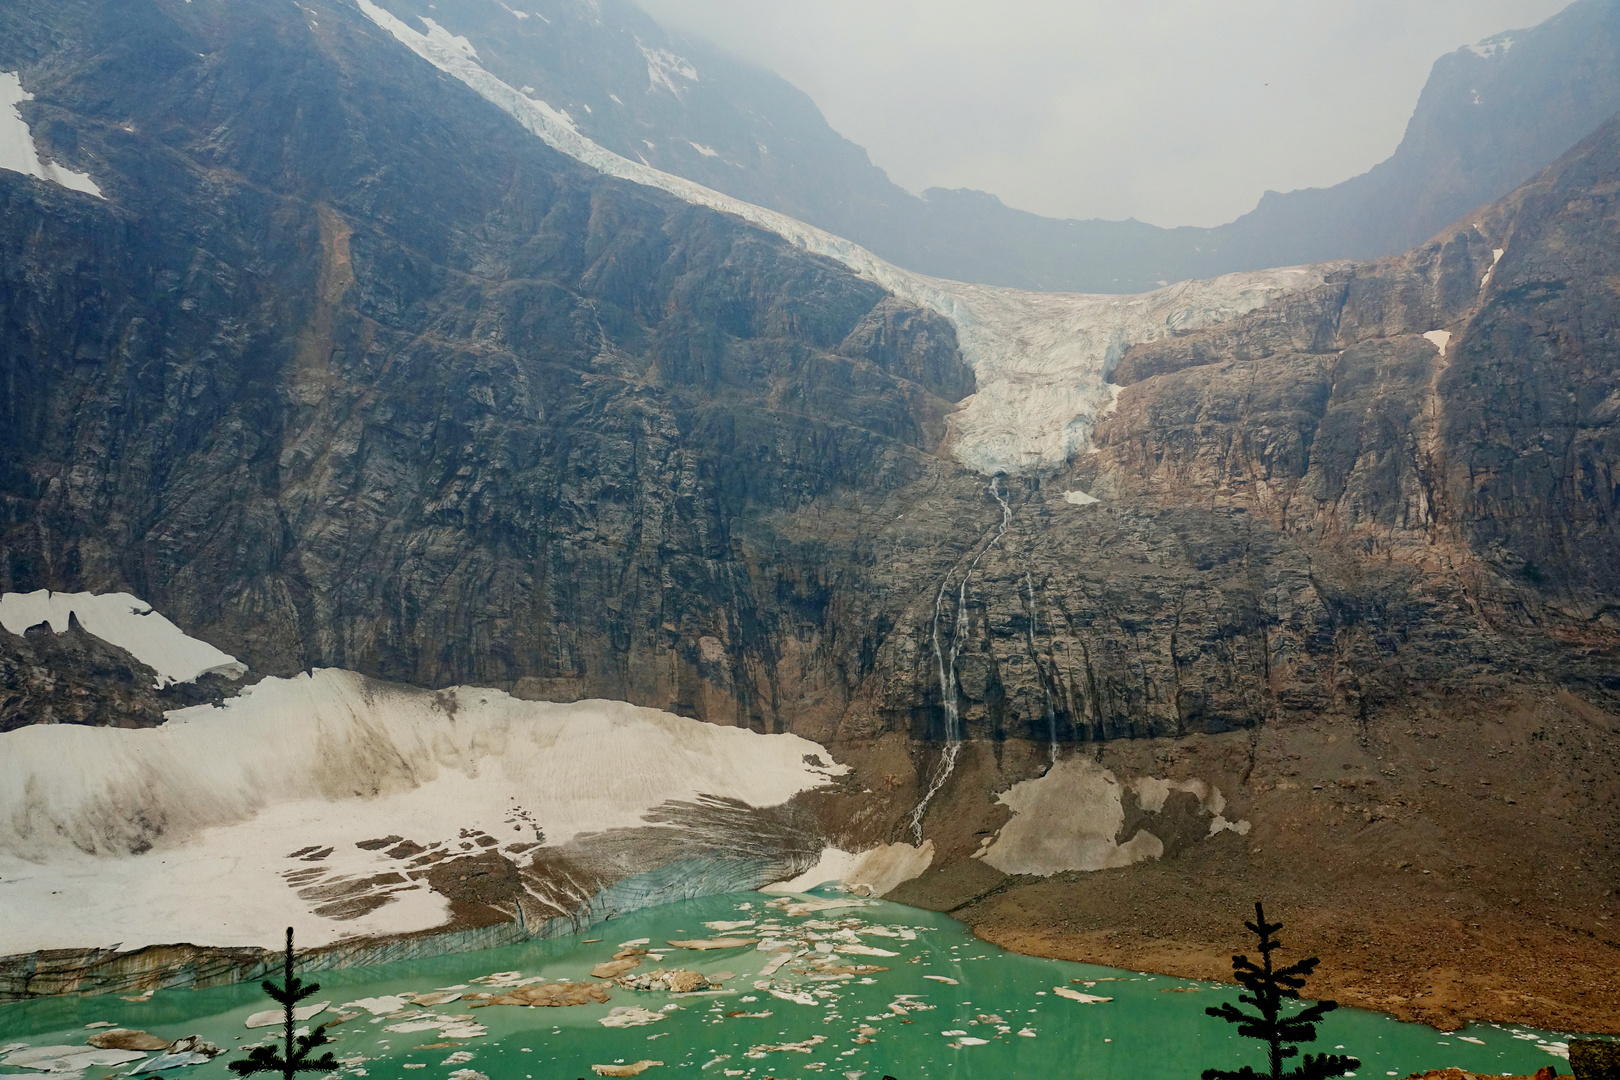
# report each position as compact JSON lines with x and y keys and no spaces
{"x":126,"y":621}
{"x":259,"y":811}
{"x":17,"y":150}
{"x":1042,"y":360}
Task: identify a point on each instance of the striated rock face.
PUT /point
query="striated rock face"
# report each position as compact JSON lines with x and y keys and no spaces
{"x":341,"y":379}
{"x":1489,"y":116}
{"x":348,"y":370}
{"x":447,"y":408}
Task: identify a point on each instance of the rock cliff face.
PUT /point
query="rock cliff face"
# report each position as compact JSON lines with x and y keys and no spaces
{"x":368,"y":378}
{"x":338,"y":379}
{"x":348,"y":370}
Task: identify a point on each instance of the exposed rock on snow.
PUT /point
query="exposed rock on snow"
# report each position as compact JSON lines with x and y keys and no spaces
{"x":1042,"y":360}
{"x":127,"y":622}
{"x":326,"y":802}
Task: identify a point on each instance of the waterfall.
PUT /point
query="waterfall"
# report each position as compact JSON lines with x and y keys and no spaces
{"x":947,"y":667}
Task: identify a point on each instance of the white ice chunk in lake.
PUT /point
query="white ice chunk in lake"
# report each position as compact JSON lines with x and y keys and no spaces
{"x":17,"y":150}
{"x":99,"y":826}
{"x":872,"y":872}
{"x":270,"y":1017}
{"x":67,"y":1059}
{"x":1041,"y":360}
{"x":127,"y":622}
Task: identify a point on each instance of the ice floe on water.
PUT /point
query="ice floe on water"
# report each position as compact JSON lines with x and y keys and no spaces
{"x":944,"y":1004}
{"x":127,"y":622}
{"x":1042,"y":360}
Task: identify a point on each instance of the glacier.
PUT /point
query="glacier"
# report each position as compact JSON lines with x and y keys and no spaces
{"x":1041,"y":360}
{"x":259,"y":810}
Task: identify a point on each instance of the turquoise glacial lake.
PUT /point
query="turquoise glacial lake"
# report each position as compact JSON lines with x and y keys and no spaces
{"x":946,"y":1005}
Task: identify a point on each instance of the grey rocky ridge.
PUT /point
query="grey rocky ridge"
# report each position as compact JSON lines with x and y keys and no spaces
{"x":346,"y":369}
{"x":1489,"y":117}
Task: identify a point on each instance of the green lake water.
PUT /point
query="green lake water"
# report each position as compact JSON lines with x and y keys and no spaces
{"x":998,"y":1018}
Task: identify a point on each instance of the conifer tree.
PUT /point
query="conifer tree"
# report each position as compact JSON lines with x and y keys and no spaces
{"x":294,"y":1057}
{"x":1268,"y":987}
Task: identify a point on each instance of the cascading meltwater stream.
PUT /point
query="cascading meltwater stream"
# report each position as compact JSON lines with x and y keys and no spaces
{"x":947,"y":669}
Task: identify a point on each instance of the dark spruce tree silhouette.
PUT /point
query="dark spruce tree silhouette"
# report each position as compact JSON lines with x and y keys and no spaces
{"x":1268,"y":988}
{"x":294,"y":1057}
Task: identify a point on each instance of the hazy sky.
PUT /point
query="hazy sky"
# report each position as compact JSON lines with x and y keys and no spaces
{"x":1178,"y":112}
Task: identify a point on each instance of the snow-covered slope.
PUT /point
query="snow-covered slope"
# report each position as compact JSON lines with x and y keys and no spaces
{"x":17,"y":150}
{"x":125,"y":621}
{"x":324,"y":802}
{"x":1041,"y":359}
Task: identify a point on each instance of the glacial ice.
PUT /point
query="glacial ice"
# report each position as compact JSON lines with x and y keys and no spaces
{"x":100,"y":828}
{"x":17,"y":150}
{"x":126,"y":621}
{"x":1042,"y":360}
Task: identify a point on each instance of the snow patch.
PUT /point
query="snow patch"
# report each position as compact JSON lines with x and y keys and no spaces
{"x":127,"y":622}
{"x":1070,"y":819}
{"x":17,"y":150}
{"x":102,"y":828}
{"x":1440,"y":339}
{"x":664,"y":67}
{"x":1042,"y":360}
{"x":872,"y":872}
{"x":1079,"y":498}
{"x":1492,"y":46}
{"x":445,"y":39}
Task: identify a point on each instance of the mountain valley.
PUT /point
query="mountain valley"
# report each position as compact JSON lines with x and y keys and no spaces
{"x":378,"y":368}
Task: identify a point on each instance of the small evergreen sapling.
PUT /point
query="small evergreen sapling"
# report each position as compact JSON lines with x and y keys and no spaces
{"x":294,"y":1057}
{"x":1268,"y":987}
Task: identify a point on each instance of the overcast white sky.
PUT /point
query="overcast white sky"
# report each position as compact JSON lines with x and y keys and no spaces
{"x":1177,"y":112}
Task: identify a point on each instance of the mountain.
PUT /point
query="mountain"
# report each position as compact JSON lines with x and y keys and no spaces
{"x":1490,"y":116}
{"x":366,"y":369}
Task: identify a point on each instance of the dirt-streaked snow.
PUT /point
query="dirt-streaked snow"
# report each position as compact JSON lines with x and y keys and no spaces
{"x":1070,"y":819}
{"x":102,"y":829}
{"x":125,"y":621}
{"x":872,"y":872}
{"x":1042,"y":360}
{"x":17,"y":150}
